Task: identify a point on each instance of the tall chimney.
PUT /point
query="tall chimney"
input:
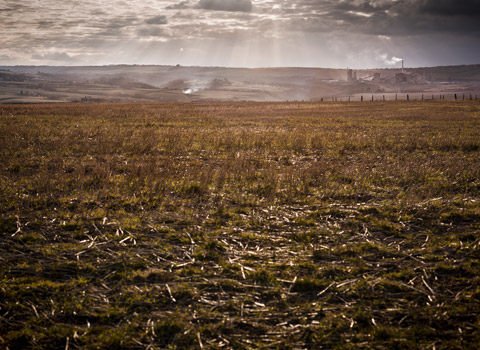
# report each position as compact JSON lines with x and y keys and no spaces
{"x":402,"y":66}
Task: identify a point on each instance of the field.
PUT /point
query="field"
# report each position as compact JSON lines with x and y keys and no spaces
{"x":240,"y":225}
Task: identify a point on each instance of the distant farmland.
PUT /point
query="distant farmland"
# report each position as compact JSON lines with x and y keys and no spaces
{"x":240,"y":225}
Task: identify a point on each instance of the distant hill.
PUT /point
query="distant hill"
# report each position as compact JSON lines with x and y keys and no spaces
{"x":181,"y":83}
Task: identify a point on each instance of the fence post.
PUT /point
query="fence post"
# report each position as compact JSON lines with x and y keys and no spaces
{"x":396,"y":97}
{"x":455,"y":97}
{"x":408,"y":98}
{"x":422,"y":97}
{"x":372,"y":98}
{"x":361,"y":98}
{"x":383,"y":97}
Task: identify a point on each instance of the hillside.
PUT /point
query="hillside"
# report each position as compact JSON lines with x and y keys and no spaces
{"x":178,"y":83}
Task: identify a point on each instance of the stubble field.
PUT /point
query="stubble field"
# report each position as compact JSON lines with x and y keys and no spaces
{"x":240,"y":225}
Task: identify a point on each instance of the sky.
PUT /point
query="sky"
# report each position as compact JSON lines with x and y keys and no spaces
{"x":241,"y":33}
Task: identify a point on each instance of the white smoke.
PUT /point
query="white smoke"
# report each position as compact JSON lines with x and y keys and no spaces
{"x":390,"y":61}
{"x":196,"y":85}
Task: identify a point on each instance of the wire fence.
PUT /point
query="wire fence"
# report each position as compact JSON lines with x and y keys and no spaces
{"x":404,"y":97}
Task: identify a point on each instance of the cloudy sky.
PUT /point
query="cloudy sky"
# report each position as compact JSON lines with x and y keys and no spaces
{"x":240,"y":33}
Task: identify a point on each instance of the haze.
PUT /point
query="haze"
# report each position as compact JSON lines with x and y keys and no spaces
{"x":241,"y":33}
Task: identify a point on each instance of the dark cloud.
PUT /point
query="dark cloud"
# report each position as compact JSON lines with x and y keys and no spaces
{"x":157,"y":20}
{"x":119,"y":22}
{"x":180,"y":6}
{"x":97,"y":12}
{"x":226,"y":5}
{"x":12,"y":7}
{"x":46,"y":24}
{"x":466,"y":8}
{"x":6,"y":59}
{"x":406,"y":17}
{"x":153,"y":32}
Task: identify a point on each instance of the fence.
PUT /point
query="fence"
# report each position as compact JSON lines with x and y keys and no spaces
{"x":404,"y":97}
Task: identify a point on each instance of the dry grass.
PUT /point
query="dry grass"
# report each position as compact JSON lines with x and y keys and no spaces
{"x":240,"y":225}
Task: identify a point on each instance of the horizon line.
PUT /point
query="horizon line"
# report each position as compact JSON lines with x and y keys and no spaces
{"x":232,"y":67}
